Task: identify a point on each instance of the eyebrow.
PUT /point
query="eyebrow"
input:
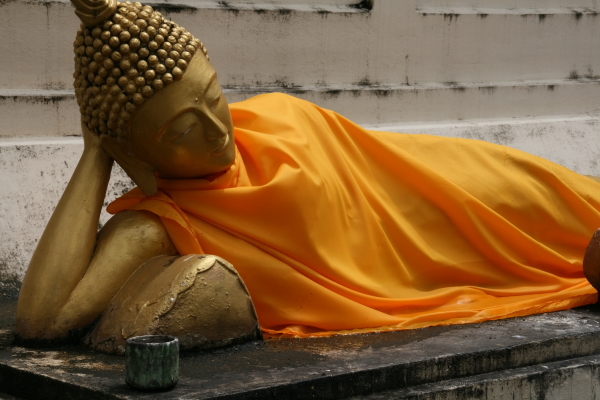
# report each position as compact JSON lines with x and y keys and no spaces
{"x":212,"y":80}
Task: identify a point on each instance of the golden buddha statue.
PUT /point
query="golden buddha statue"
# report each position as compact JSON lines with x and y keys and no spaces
{"x":124,"y":54}
{"x":333,"y":228}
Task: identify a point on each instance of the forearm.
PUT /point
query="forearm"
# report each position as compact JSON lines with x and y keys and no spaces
{"x":66,"y":246}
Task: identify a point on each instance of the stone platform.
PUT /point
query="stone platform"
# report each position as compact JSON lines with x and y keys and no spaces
{"x":555,"y":355}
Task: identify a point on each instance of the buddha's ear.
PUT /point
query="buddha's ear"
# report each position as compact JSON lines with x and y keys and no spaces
{"x":141,"y":173}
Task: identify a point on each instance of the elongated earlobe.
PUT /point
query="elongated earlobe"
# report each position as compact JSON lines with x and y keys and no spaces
{"x":141,"y":173}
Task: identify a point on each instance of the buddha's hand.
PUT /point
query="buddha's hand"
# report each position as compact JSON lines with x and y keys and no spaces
{"x":90,"y":139}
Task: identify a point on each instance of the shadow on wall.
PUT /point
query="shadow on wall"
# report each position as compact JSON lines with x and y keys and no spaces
{"x":9,"y":280}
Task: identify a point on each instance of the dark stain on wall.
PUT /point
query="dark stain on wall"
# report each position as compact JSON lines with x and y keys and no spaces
{"x":366,"y":5}
{"x":9,"y":281}
{"x":455,"y":86}
{"x":332,"y":93}
{"x":450,"y":17}
{"x":33,"y":99}
{"x":284,"y":83}
{"x":366,"y":81}
{"x":226,"y":6}
{"x":574,"y":75}
{"x":490,"y":89}
{"x":174,"y":8}
{"x":590,"y":74}
{"x":382,"y":92}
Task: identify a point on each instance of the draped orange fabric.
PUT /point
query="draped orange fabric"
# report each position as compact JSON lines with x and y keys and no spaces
{"x":337,"y":229}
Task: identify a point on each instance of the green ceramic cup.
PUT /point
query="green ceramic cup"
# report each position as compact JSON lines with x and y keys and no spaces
{"x":152,"y":362}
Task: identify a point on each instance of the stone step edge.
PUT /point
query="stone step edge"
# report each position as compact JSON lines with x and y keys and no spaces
{"x":485,"y":11}
{"x":334,"y":90}
{"x":402,"y":375}
{"x":28,"y":385}
{"x":360,"y":382}
{"x":483,"y":122}
{"x":41,"y":141}
{"x":540,"y":375}
{"x":393,"y":127}
{"x":46,"y":112}
{"x":190,"y":6}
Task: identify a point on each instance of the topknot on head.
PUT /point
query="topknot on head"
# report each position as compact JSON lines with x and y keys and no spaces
{"x":93,"y":12}
{"x":124,"y":59}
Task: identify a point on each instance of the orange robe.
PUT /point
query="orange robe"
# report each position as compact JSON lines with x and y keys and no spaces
{"x":338,"y":229}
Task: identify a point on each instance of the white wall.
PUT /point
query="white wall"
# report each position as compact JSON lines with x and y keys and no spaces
{"x":509,"y":4}
{"x":520,"y":73}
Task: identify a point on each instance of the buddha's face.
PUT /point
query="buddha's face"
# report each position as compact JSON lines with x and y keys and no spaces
{"x":185,"y":130}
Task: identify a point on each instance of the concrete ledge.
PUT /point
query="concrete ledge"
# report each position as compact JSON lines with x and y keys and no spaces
{"x":311,"y":6}
{"x":575,"y":379}
{"x":540,"y":11}
{"x":328,"y":44}
{"x":322,"y":368}
{"x":176,"y":6}
{"x":35,"y":113}
{"x":372,"y":103}
{"x":38,"y":113}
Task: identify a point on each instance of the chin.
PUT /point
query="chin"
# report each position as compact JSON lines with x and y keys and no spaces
{"x":218,"y":164}
{"x":227,"y":158}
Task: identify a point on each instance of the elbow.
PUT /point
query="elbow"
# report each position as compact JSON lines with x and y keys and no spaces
{"x":33,"y":323}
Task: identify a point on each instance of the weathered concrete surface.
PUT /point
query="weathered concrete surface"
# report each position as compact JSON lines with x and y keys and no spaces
{"x":38,"y":113}
{"x":54,"y":113}
{"x":296,"y":43}
{"x":326,"y":368}
{"x":402,"y":61}
{"x":34,"y":174}
{"x":576,"y":379}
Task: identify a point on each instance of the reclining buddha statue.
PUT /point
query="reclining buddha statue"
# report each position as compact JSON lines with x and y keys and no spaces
{"x":332,"y":229}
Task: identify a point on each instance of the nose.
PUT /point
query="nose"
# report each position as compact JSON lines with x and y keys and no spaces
{"x":214,"y":128}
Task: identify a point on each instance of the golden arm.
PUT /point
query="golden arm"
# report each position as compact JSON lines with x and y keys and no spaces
{"x":72,"y":276}
{"x":66,"y":246}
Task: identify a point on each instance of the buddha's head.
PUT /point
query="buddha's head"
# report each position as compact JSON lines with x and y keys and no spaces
{"x":146,"y":86}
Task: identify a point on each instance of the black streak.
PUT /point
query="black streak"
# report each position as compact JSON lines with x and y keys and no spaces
{"x":366,"y":5}
{"x":574,"y":75}
{"x":175,"y":8}
{"x":228,"y":7}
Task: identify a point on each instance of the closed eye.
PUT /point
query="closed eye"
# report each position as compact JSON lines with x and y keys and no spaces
{"x":185,"y":133}
{"x":173,"y":136}
{"x":180,"y":127}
